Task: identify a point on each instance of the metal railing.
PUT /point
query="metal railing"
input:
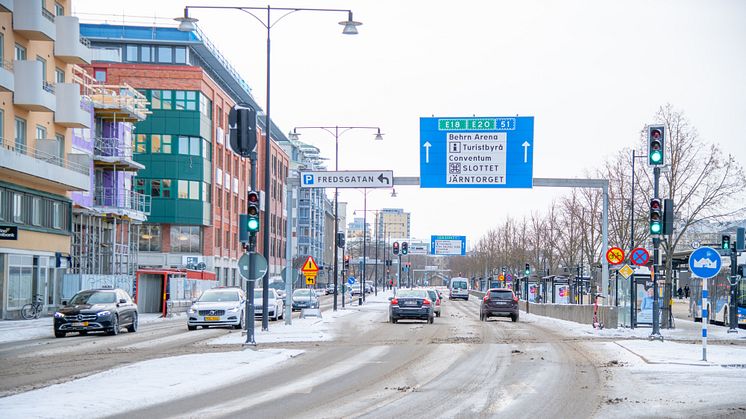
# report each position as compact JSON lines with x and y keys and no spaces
{"x":122,"y":198}
{"x":112,"y":147}
{"x":47,"y":14}
{"x":56,"y":160}
{"x":47,"y":86}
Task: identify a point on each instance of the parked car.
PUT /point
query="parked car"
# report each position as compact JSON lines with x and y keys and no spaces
{"x":96,"y":310}
{"x":329,"y":288}
{"x":275,"y":304}
{"x":305,"y":298}
{"x":499,"y":302}
{"x":355,"y":289}
{"x":279,"y":286}
{"x":411,"y":304}
{"x":435,"y":298}
{"x":459,"y":288}
{"x":220,"y":306}
{"x":368,"y":288}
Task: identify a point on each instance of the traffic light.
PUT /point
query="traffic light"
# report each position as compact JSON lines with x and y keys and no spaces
{"x":404,"y":248}
{"x":252,"y":223}
{"x":340,"y":239}
{"x":725,"y":242}
{"x":656,"y":216}
{"x":656,"y":144}
{"x":396,"y":248}
{"x":242,"y":129}
{"x":528,"y":269}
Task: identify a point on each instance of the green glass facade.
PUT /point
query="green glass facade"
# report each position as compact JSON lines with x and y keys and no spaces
{"x":175,"y":145}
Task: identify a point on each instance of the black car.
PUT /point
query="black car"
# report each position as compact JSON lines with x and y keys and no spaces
{"x":411,"y":304}
{"x":499,"y":302}
{"x":98,"y":310}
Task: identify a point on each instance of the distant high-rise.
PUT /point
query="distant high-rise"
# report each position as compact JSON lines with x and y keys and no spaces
{"x":395,"y":222}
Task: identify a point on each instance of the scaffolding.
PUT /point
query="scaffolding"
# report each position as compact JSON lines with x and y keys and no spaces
{"x":104,"y":244}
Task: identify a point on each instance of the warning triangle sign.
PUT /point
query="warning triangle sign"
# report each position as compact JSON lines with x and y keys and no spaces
{"x":310,"y":265}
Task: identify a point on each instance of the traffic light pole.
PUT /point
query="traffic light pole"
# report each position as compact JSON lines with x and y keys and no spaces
{"x":656,"y":333}
{"x":250,"y":339}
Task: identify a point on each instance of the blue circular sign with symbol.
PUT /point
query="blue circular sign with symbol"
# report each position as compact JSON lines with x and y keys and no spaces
{"x":351,"y":280}
{"x":705,"y":262}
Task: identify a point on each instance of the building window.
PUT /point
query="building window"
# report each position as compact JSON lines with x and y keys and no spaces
{"x":43,"y":68}
{"x":155,"y":143}
{"x":207,"y":195}
{"x":219,"y":198}
{"x":59,"y":75}
{"x":2,"y":47}
{"x":60,"y":139}
{"x":188,"y":189}
{"x":155,"y":188}
{"x":18,"y":208}
{"x":100,"y":75}
{"x":166,"y":188}
{"x":219,"y":237}
{"x":165,"y":54}
{"x":155,"y":99}
{"x":140,"y":186}
{"x":56,"y":215}
{"x":20,"y":53}
{"x":58,"y":9}
{"x":228,"y":239}
{"x":191,"y":104}
{"x":150,"y":238}
{"x":20,"y":135}
{"x":205,"y":106}
{"x":185,"y":239}
{"x":131,"y":53}
{"x":141,"y":141}
{"x":36,"y":211}
{"x":180,"y":55}
{"x":41,"y":132}
{"x":146,"y":54}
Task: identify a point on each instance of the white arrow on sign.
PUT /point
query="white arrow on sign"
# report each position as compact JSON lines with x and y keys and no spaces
{"x":427,"y":146}
{"x":525,"y":145}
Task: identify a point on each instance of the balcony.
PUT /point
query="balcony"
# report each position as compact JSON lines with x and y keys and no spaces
{"x":122,"y":202}
{"x":71,"y":172}
{"x":70,"y":112}
{"x":118,"y":102}
{"x":6,"y":6}
{"x":32,"y":91}
{"x":69,"y":46}
{"x":7,"y":79}
{"x":113,"y":154}
{"x":33,"y":21}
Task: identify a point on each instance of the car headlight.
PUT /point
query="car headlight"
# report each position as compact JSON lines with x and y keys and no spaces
{"x":234,"y":309}
{"x":192,"y":310}
{"x":103,"y":313}
{"x":58,"y":315}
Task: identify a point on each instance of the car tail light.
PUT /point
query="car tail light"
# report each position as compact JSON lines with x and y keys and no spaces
{"x":425,"y":302}
{"x":486,"y":297}
{"x":515,"y":298}
{"x":437,"y":302}
{"x":394,"y":302}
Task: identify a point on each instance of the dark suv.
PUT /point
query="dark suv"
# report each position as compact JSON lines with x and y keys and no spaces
{"x":99,"y":310}
{"x":500,"y":302}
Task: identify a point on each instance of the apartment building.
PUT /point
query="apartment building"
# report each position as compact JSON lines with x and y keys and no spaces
{"x":395,"y":222}
{"x":197,"y":185}
{"x":40,"y":104}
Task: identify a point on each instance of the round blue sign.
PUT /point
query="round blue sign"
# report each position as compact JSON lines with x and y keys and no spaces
{"x":351,"y":280}
{"x":705,"y":262}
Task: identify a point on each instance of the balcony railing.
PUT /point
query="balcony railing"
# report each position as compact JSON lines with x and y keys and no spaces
{"x":122,"y":198}
{"x":112,"y":147}
{"x":85,"y":41}
{"x":54,"y":159}
{"x":47,"y":14}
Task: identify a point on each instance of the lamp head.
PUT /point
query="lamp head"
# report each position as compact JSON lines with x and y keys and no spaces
{"x":393,"y":193}
{"x":350,"y":26}
{"x":186,"y":23}
{"x":379,"y":136}
{"x":293,"y":136}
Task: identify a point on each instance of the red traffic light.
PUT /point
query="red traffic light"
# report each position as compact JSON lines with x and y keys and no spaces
{"x":655,"y":204}
{"x":396,"y":248}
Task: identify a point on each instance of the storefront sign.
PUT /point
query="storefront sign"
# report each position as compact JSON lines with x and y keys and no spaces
{"x":8,"y":233}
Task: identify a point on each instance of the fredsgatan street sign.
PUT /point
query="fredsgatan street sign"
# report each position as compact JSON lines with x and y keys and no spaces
{"x":347,"y":179}
{"x":479,"y":152}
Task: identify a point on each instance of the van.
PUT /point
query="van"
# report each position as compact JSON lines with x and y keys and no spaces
{"x":459,"y":288}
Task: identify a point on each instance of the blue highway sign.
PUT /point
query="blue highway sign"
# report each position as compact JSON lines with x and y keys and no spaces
{"x":477,"y":152}
{"x":448,"y":245}
{"x":705,"y":262}
{"x":351,"y":280}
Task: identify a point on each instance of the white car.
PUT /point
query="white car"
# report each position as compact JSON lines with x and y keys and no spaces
{"x":221,"y":306}
{"x":275,"y":306}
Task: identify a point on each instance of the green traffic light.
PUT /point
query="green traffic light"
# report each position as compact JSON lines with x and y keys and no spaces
{"x":656,"y":156}
{"x":655,"y":228}
{"x":253,"y":224}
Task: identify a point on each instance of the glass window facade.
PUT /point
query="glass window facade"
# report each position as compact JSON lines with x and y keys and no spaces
{"x":186,"y":239}
{"x":150,"y":238}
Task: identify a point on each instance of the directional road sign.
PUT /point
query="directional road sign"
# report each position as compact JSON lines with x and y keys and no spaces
{"x":348,"y":179}
{"x":418,"y":248}
{"x":477,"y":152}
{"x":448,"y":245}
{"x":639,"y":256}
{"x":351,"y":280}
{"x":705,"y":262}
{"x":615,"y":255}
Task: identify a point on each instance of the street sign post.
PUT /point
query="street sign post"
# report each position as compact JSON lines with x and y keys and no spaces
{"x":448,"y":245}
{"x":310,"y":269}
{"x":351,"y":280}
{"x":705,"y":263}
{"x":347,"y":179}
{"x":639,"y":256}
{"x":478,"y":152}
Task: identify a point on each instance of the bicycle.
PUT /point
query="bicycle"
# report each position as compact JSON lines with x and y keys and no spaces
{"x":33,"y":310}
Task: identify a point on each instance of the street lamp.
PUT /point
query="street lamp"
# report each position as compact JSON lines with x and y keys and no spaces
{"x":187,"y":24}
{"x":335,"y":131}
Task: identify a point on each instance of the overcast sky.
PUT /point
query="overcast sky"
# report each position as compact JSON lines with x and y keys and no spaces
{"x":592,"y":73}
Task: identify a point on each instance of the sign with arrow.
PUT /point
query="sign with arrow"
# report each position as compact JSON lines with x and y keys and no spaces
{"x":476,"y":152}
{"x":347,"y":179}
